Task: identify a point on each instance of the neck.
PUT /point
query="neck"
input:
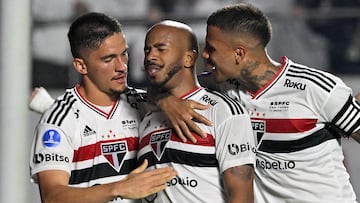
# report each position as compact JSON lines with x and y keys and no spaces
{"x":259,"y":71}
{"x":97,"y":97}
{"x":183,"y":86}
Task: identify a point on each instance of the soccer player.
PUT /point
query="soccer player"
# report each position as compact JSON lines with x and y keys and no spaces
{"x":298,"y":113}
{"x":85,"y":144}
{"x":218,"y":168}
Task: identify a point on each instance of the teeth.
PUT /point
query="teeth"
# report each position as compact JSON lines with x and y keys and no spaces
{"x":153,"y":70}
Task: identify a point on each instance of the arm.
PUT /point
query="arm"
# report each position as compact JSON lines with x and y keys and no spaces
{"x":54,"y":187}
{"x":238,"y":183}
{"x":181,"y":114}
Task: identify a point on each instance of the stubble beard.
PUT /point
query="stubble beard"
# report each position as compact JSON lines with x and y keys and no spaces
{"x":173,"y":69}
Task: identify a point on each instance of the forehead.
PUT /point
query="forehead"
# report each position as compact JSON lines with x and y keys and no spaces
{"x":215,"y":36}
{"x":116,"y":40}
{"x":114,"y":44}
{"x":163,"y":34}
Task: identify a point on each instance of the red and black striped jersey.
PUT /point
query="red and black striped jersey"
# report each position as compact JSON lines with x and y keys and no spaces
{"x":298,"y":118}
{"x":95,"y":145}
{"x":229,"y":143}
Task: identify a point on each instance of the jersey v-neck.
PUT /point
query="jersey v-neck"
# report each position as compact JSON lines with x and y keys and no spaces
{"x":284,"y":61}
{"x":97,"y":108}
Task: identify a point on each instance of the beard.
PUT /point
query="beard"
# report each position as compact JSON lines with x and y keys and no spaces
{"x":119,"y":90}
{"x":171,"y":71}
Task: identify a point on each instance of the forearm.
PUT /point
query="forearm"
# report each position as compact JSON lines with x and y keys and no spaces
{"x":238,"y":183}
{"x":95,"y":194}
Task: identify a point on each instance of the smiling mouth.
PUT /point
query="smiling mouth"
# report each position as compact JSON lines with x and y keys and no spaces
{"x":152,"y":69}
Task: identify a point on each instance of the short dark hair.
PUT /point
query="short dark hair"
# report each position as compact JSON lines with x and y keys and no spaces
{"x":89,"y":31}
{"x":242,"y":18}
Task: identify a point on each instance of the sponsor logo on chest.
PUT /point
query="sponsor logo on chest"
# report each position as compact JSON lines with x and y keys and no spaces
{"x":295,"y":85}
{"x":209,"y":100}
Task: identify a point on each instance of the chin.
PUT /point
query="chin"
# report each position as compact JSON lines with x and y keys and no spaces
{"x":119,"y":89}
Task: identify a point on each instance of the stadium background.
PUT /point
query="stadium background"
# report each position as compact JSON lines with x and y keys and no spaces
{"x":35,"y":52}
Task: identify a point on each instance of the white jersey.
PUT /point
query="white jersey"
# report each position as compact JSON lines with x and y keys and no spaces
{"x":199,"y":166}
{"x":94,"y":145}
{"x":297,"y":119}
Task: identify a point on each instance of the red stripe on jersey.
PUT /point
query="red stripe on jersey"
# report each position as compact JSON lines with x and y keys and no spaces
{"x":93,"y":107}
{"x":90,"y":151}
{"x":208,"y":141}
{"x":293,"y":125}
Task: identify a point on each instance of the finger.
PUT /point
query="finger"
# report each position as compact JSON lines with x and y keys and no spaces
{"x":141,"y":168}
{"x":160,"y":176}
{"x":179,"y":133}
{"x":197,"y":105}
{"x":200,"y":118}
{"x":158,"y":188}
{"x":185,"y":129}
{"x":192,"y":125}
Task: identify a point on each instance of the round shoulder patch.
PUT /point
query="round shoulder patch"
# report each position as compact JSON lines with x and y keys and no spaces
{"x":51,"y":138}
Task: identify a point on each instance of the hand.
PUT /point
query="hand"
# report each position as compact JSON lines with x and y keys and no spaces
{"x":182,"y":116}
{"x":358,"y":96}
{"x":140,"y":183}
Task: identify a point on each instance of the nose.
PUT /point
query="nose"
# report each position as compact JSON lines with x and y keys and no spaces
{"x":205,"y":54}
{"x":151,"y":54}
{"x":121,"y":65}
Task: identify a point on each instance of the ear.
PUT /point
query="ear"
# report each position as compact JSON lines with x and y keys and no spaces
{"x":239,"y":53}
{"x":80,"y":66}
{"x":190,"y":58}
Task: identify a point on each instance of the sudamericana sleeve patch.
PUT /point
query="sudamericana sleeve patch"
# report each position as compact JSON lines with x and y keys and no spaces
{"x":51,"y":138}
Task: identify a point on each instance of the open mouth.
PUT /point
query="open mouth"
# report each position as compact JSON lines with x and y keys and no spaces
{"x":152,"y":69}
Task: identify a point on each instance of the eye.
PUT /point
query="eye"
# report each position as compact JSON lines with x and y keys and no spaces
{"x":108,"y":59}
{"x":146,"y":50}
{"x":209,"y":49}
{"x":125,"y":53}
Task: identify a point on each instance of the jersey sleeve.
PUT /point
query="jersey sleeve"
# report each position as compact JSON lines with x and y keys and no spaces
{"x":51,"y":150}
{"x":342,"y":110}
{"x":235,"y":142}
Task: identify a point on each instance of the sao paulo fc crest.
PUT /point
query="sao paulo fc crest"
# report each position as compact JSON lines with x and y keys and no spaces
{"x":158,"y":142}
{"x":114,"y":152}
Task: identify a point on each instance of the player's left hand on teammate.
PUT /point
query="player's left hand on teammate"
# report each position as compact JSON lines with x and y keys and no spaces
{"x":183,"y":117}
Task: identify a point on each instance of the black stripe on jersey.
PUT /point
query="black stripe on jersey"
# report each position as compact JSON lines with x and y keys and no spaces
{"x":102,"y":170}
{"x":348,"y":118}
{"x":314,"y":76}
{"x":181,"y":157}
{"x":287,"y":146}
{"x":66,"y":103}
{"x":234,"y":105}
